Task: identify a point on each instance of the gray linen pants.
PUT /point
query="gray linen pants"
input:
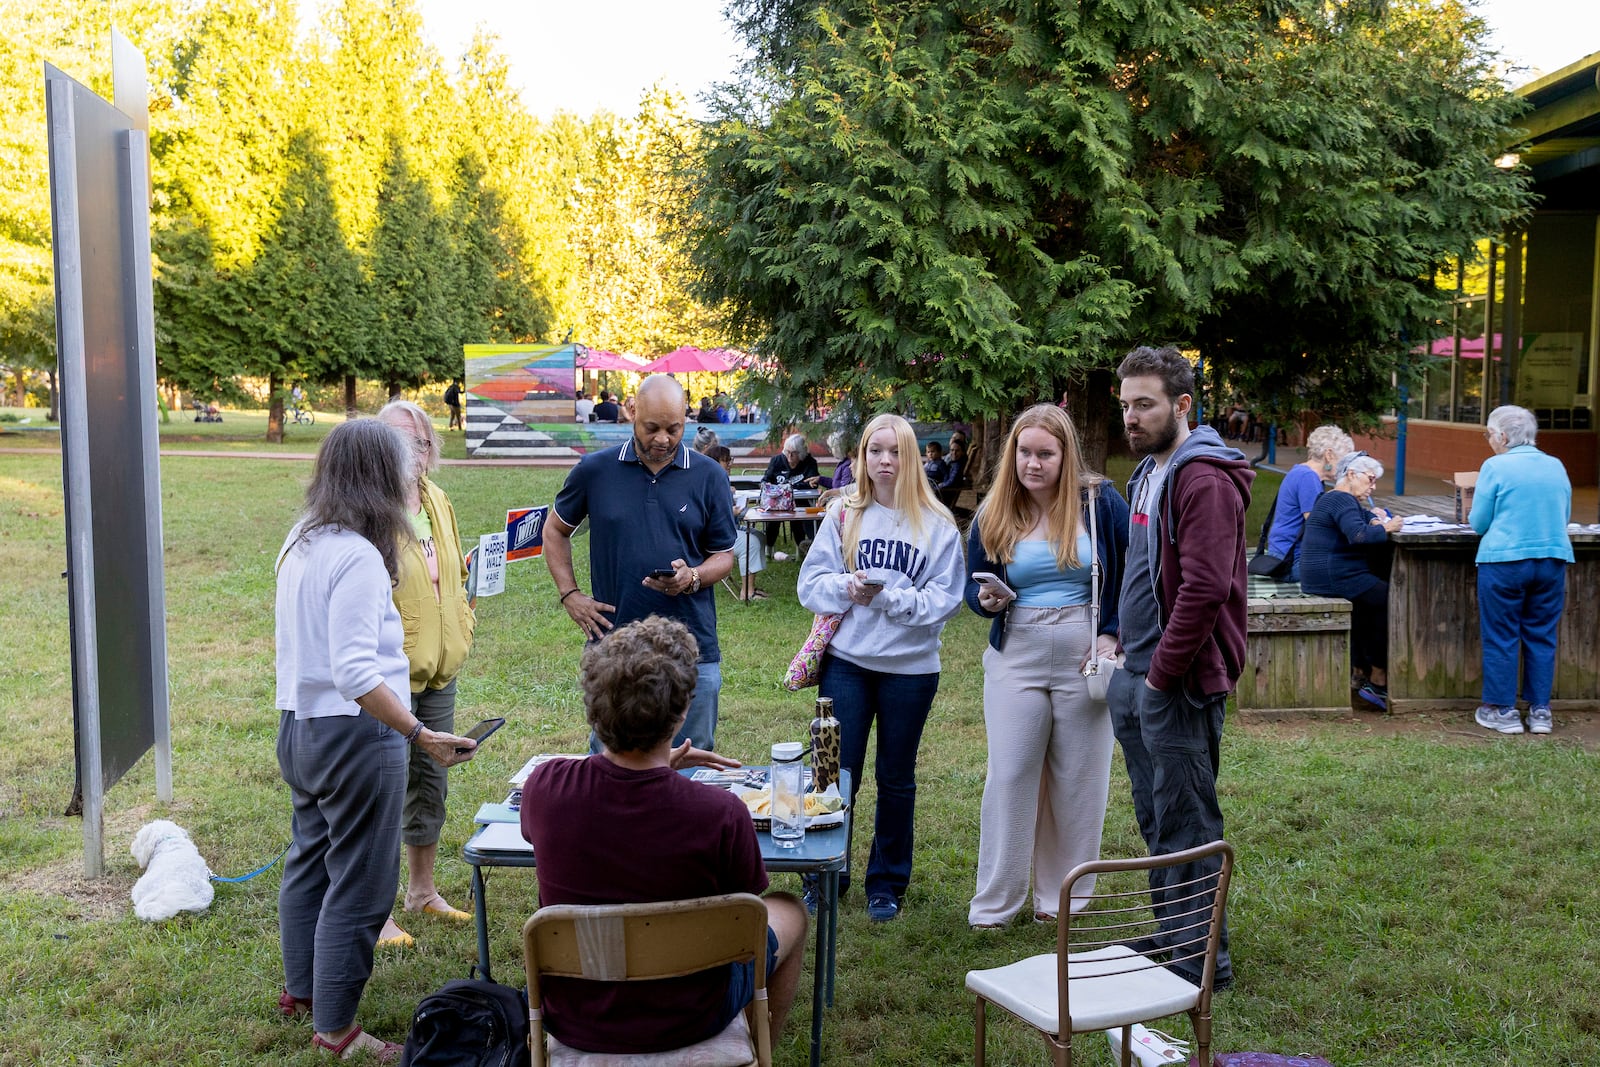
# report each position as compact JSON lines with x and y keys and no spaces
{"x":347,"y":775}
{"x":1049,"y":773}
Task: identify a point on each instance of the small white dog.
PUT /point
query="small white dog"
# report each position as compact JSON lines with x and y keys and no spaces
{"x":175,"y":878}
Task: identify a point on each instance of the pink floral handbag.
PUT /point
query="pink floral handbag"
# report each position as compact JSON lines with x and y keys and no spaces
{"x":806,"y":667}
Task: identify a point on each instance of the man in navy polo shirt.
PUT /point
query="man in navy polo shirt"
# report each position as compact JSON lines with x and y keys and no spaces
{"x":653,"y":505}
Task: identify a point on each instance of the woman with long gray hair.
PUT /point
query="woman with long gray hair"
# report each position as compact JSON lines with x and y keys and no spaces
{"x":1520,"y":509}
{"x":344,"y":726}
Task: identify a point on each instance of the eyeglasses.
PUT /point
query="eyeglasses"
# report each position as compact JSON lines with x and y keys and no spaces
{"x":422,"y":444}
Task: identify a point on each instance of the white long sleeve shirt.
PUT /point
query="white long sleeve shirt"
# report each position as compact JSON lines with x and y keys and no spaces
{"x":339,"y":635}
{"x":898,"y":633}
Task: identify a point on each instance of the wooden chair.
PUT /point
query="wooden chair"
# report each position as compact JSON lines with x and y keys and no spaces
{"x":1107,"y":972}
{"x":633,"y":942}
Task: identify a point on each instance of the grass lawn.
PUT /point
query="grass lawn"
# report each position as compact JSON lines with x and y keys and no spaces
{"x":1398,"y":901}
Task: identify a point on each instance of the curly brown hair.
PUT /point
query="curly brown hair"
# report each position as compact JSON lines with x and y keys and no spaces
{"x":637,"y":683}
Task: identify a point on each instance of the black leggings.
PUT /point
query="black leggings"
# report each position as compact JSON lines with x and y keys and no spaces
{"x":1369,"y":627}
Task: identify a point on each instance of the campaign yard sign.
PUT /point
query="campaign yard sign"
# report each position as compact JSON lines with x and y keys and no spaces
{"x":525,"y":533}
{"x":489,"y":565}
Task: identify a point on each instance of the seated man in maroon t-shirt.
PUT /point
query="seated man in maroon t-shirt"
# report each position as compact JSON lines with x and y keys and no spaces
{"x":624,"y":827}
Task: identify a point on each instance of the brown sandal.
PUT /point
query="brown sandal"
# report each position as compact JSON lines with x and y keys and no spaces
{"x":293,"y":1007}
{"x":389,"y":1053}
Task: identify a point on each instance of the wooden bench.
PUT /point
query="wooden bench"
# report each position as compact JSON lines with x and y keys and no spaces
{"x":1297,"y":655}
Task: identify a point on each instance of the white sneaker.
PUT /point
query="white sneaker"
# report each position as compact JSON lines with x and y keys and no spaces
{"x":1494,"y":717}
{"x":780,"y":557}
{"x":1539,"y":721}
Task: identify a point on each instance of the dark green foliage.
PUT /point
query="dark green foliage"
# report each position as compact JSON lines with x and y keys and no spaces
{"x":965,"y":203}
{"x":415,"y":331}
{"x":496,"y":298}
{"x":305,"y":300}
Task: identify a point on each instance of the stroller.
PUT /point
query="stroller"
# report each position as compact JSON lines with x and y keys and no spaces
{"x":204,"y":412}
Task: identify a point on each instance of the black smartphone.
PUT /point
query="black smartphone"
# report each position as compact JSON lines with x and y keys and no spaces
{"x":663,"y":574}
{"x":480,"y":733}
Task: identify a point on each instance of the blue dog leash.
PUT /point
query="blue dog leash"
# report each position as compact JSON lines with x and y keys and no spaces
{"x":259,"y":870}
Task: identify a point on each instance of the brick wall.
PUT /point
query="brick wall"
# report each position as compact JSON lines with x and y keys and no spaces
{"x":1436,"y":450}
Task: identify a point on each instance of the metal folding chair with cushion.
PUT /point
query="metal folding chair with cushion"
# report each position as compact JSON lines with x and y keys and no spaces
{"x":632,"y":942}
{"x":1112,"y":959}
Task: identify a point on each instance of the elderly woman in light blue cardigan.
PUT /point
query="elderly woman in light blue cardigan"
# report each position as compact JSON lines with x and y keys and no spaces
{"x":1520,"y":510}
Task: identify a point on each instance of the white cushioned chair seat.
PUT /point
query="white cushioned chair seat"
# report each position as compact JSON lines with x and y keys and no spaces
{"x":731,"y":1048}
{"x":1027,"y":989}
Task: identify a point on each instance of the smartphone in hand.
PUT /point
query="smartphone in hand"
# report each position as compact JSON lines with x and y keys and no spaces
{"x":663,"y":574}
{"x":994,"y":583}
{"x":480,"y":733}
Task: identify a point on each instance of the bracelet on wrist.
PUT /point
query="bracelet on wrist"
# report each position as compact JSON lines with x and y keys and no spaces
{"x":568,"y":593}
{"x":416,"y":732}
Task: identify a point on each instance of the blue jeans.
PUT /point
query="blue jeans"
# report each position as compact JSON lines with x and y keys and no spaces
{"x":700,"y":725}
{"x":900,"y":703}
{"x":1519,"y":604}
{"x":1172,"y":746}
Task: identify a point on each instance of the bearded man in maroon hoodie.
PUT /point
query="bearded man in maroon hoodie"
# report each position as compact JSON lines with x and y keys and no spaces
{"x":1182,"y":615}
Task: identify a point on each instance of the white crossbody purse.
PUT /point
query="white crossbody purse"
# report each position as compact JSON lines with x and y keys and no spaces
{"x":1098,"y":670}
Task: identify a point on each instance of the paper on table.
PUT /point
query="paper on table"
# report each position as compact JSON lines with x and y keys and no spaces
{"x":501,"y":837}
{"x":543,"y":757}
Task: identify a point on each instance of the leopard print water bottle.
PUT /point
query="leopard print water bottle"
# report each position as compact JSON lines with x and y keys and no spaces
{"x":824,"y":746}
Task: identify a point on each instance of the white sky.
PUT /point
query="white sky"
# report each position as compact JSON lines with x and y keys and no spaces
{"x":583,"y":55}
{"x":1543,"y":35}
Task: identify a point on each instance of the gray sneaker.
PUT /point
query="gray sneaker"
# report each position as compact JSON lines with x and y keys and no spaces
{"x":1494,"y":717}
{"x":1539,"y":720}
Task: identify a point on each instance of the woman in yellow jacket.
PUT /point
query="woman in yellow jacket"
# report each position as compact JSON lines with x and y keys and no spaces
{"x":432,"y":600}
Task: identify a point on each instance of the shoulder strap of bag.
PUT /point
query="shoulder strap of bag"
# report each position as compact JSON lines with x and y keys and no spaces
{"x":1094,"y":564}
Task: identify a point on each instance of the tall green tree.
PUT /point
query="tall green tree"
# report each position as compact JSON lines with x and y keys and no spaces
{"x":496,"y":301}
{"x":303,"y":297}
{"x":220,"y":146}
{"x":412,"y":272}
{"x":73,"y":37}
{"x":496,"y":128}
{"x":964,"y":202}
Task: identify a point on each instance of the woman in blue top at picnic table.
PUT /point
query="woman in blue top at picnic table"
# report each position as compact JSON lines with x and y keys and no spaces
{"x":1325,"y":447}
{"x":1346,"y":554}
{"x":1520,"y":510}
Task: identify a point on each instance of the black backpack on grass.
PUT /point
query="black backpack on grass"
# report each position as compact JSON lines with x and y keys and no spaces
{"x":469,"y":1023}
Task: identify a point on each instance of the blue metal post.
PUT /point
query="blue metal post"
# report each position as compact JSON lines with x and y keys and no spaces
{"x":1400,"y":422}
{"x":1400,"y":444}
{"x":1272,"y":444}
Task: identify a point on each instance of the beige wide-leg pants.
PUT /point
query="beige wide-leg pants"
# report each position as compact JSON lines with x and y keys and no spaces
{"x":1049,"y":773}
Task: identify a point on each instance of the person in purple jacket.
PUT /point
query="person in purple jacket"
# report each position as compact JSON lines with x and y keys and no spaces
{"x":1182,"y":615}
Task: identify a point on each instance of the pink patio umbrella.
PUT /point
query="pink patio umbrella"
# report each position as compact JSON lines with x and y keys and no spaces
{"x":688,"y":360}
{"x":598,"y":359}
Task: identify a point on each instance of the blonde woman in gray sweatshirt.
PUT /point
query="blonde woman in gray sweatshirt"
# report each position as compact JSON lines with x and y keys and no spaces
{"x":888,"y":559}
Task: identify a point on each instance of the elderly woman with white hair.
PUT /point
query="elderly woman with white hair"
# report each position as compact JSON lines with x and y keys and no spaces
{"x":1520,"y":510}
{"x":1345,"y":553}
{"x":430,"y":594}
{"x":1301,"y":488}
{"x":795,"y":466}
